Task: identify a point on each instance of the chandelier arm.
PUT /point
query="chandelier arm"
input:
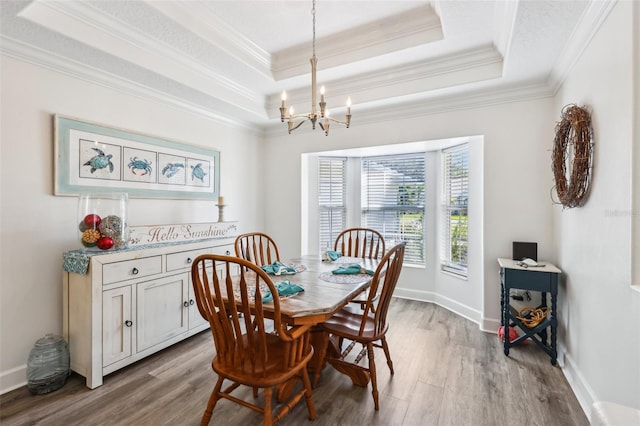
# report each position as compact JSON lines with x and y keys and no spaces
{"x":293,"y":126}
{"x":335,"y":120}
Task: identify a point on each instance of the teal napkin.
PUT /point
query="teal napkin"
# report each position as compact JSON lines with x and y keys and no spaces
{"x":278,"y":268}
{"x":284,"y":288}
{"x":331,"y":255}
{"x":352,"y":270}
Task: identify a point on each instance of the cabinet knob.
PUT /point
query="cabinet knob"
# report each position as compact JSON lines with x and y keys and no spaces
{"x":135,"y":271}
{"x":191,"y":302}
{"x":228,"y":253}
{"x":189,"y":260}
{"x":128,"y":323}
{"x":186,"y":304}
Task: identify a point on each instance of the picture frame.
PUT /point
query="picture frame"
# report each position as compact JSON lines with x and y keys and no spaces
{"x":92,"y":157}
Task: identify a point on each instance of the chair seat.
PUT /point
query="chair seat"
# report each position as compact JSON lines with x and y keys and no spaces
{"x":274,"y":371}
{"x":347,"y":323}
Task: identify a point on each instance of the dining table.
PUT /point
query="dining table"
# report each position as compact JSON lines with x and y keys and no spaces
{"x":324,"y":294}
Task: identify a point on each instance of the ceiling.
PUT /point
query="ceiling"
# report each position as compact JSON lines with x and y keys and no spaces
{"x":229,"y":60}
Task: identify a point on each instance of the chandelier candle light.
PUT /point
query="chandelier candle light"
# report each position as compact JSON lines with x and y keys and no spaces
{"x":323,"y":118}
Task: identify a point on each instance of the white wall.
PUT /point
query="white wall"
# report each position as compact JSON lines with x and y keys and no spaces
{"x":600,"y":312}
{"x":37,"y":227}
{"x":516,"y":184}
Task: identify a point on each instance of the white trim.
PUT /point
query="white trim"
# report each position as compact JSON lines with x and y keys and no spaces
{"x":200,"y":18}
{"x":457,"y":308}
{"x":436,"y":105}
{"x":85,"y":23}
{"x":482,"y":63}
{"x":579,"y":385}
{"x":13,"y":379}
{"x":51,"y":61}
{"x":583,"y":33}
{"x":415,"y":27}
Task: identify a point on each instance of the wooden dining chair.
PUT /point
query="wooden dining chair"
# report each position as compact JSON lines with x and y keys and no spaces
{"x":257,"y":247}
{"x":360,"y":242}
{"x":368,"y":327}
{"x":247,"y":351}
{"x":363,"y":243}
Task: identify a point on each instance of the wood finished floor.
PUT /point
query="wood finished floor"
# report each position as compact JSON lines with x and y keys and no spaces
{"x":447,"y":372}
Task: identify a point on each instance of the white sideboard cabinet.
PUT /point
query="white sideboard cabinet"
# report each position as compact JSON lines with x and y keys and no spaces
{"x":130,"y":304}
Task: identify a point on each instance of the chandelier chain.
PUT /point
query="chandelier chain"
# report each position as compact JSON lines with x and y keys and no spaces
{"x":313,"y":12}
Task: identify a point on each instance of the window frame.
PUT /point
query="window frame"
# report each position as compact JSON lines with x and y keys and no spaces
{"x":326,"y":242}
{"x":397,"y":232}
{"x":458,"y":154}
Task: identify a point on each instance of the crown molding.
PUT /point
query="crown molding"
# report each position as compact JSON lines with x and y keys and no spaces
{"x":583,"y":33}
{"x":45,"y":59}
{"x":200,"y":19}
{"x":416,"y":108}
{"x":505,"y":12}
{"x":413,"y":28}
{"x":82,"y":22}
{"x":479,"y":64}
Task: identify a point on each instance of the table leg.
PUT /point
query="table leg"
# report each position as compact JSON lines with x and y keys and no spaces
{"x":505,"y":318}
{"x":543,"y":332}
{"x":554,"y":327}
{"x":320,"y":342}
{"x":319,"y":339}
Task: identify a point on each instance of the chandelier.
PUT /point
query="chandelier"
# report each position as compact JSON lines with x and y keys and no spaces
{"x":323,"y":117}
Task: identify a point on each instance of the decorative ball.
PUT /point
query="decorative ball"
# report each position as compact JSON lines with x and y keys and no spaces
{"x":118,"y":243}
{"x":105,"y":243}
{"x":92,"y":220}
{"x":90,"y":236}
{"x":111,"y":226}
{"x":87,"y":244}
{"x":82,"y":227}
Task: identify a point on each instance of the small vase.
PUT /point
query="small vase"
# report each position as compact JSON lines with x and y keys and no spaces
{"x":48,"y":365}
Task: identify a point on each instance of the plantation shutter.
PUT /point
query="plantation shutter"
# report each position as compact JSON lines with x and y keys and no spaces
{"x":393,"y":201}
{"x":455,"y":199}
{"x":331,"y":199}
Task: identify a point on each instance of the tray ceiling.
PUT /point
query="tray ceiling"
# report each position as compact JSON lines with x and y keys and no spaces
{"x":229,"y":60}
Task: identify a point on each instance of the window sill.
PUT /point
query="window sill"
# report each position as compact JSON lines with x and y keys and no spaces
{"x":414,"y":266}
{"x":454,"y":275}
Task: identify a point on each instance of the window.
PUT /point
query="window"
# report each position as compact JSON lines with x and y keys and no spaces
{"x":331,"y":199}
{"x":393,"y":201}
{"x":455,"y":199}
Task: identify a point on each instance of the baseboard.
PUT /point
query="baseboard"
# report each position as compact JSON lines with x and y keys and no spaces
{"x":13,"y":379}
{"x":581,"y":389}
{"x":451,"y":305}
{"x":490,"y":325}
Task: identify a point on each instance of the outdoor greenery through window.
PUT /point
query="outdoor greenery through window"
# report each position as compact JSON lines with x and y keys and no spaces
{"x":393,"y":197}
{"x":331,"y":199}
{"x":455,"y":199}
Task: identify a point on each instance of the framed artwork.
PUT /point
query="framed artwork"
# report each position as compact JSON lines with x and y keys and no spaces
{"x":91,"y":157}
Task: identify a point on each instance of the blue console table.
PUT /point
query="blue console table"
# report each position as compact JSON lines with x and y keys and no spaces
{"x":543,"y":279}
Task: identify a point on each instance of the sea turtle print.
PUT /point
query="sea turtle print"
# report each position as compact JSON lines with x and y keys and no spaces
{"x":100,"y":161}
{"x":197,"y":172}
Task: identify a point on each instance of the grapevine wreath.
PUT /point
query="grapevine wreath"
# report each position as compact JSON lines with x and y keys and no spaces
{"x":573,"y":147}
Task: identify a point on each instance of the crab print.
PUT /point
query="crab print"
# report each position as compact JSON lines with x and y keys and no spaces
{"x":143,"y":165}
{"x":197,"y":172}
{"x":100,"y":161}
{"x":171,"y":169}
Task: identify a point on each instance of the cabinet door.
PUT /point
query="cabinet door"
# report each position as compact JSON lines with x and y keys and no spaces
{"x":117,"y":324}
{"x":161,"y":313}
{"x":195,"y":319}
